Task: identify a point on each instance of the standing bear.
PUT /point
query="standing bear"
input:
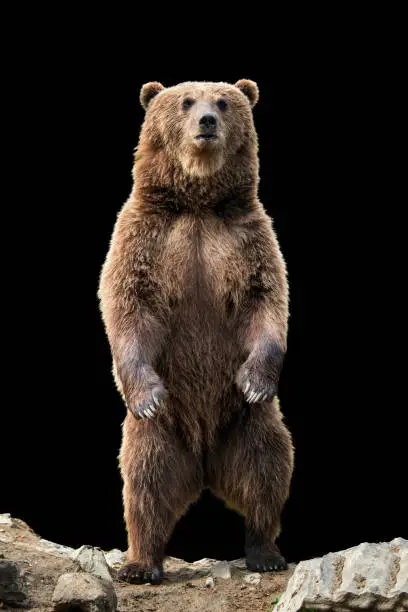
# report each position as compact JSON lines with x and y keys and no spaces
{"x":194,"y":298}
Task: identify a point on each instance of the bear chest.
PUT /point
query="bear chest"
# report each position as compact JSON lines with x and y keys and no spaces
{"x":203,"y":260}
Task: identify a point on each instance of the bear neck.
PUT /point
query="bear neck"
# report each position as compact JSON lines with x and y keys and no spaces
{"x":162,"y":184}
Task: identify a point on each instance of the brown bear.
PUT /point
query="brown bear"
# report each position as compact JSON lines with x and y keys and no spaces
{"x":194,"y":298}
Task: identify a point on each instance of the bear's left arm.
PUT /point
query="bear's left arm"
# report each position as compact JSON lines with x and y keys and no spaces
{"x":263,"y":332}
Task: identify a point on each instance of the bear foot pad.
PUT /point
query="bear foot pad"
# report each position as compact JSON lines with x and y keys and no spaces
{"x":273,"y":563}
{"x":138,"y":574}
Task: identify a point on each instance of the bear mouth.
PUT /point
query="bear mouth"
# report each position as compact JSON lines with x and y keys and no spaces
{"x":206,"y":137}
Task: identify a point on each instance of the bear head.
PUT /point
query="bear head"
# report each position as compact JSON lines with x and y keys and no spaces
{"x":199,"y":126}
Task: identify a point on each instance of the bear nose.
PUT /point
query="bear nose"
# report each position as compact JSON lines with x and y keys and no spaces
{"x":208,"y":122}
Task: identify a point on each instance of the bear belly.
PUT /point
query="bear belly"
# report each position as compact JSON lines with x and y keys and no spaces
{"x":201,"y":357}
{"x":198,"y":366}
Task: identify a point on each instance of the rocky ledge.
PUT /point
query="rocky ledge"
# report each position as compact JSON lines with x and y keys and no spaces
{"x":39,"y":575}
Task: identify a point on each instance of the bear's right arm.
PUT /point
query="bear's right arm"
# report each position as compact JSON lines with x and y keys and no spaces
{"x":134,"y":323}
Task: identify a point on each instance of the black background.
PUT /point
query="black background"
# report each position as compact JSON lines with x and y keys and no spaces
{"x":331,"y":172}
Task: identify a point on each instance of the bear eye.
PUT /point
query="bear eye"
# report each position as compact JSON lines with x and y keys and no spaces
{"x":222,"y":105}
{"x":187,"y":103}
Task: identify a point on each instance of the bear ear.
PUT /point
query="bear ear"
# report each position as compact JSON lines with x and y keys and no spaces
{"x":148,"y":92}
{"x":249,"y":89}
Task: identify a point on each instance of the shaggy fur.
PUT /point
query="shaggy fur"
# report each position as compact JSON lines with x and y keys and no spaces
{"x":194,"y":298}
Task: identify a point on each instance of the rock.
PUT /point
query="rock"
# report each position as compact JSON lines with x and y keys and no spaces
{"x":205,"y":562}
{"x":115,"y":558}
{"x":239,"y":563}
{"x":55,"y":549}
{"x":83,"y":592}
{"x":173,"y":559}
{"x":209,"y":583}
{"x":4,"y":539}
{"x":92,"y":560}
{"x":368,"y":576}
{"x":5,"y":519}
{"x":254,"y":578}
{"x":399,"y":547}
{"x":221,"y":569}
{"x":11,"y":588}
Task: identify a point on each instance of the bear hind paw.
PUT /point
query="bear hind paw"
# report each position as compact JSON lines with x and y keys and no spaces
{"x":273,"y":563}
{"x":138,"y":574}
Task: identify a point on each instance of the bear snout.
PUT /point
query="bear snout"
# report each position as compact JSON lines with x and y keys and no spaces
{"x":207,"y":125}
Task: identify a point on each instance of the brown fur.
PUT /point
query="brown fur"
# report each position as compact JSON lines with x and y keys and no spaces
{"x":194,"y":298}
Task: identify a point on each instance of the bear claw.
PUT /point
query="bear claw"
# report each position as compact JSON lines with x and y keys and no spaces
{"x":269,"y":565}
{"x":147,"y":409}
{"x":156,"y":400}
{"x":253,"y":396}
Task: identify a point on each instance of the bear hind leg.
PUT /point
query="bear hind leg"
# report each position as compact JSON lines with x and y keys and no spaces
{"x":161,"y":478}
{"x":251,"y":470}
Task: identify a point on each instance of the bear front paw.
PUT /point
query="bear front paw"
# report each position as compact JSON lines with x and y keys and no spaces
{"x":255,"y":385}
{"x":257,"y":392}
{"x":147,"y":408}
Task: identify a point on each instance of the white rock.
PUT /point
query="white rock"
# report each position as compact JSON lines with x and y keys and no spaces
{"x":209,"y":583}
{"x":221,"y":569}
{"x":254,"y":578}
{"x":92,"y":560}
{"x":205,"y":562}
{"x":115,"y":558}
{"x":238,"y":563}
{"x":399,"y":546}
{"x":5,"y":519}
{"x":368,"y":576}
{"x":84,"y":592}
{"x":174,"y":559}
{"x":55,"y":549}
